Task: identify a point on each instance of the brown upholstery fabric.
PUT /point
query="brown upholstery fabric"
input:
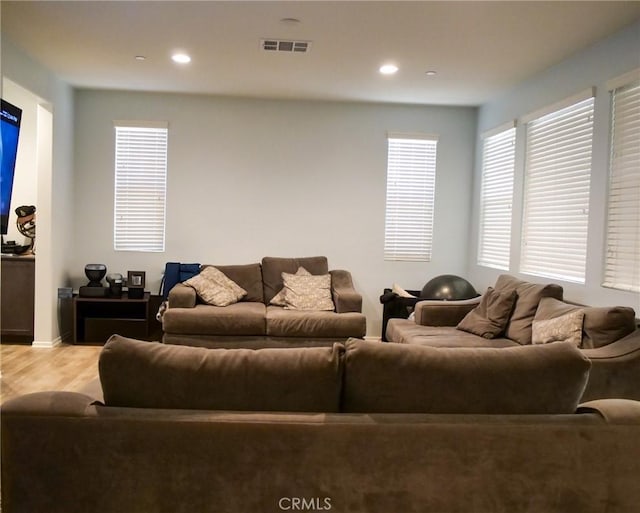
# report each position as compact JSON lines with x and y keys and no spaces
{"x":601,"y":326}
{"x":405,"y":331}
{"x":93,"y":459}
{"x":273,"y":267}
{"x":152,"y":375}
{"x":182,"y":296}
{"x":248,"y":276}
{"x":345,"y":296}
{"x":392,"y":378}
{"x":490,"y":317}
{"x":431,"y":312}
{"x":529,"y":295}
{"x":294,"y":323}
{"x":238,"y":319}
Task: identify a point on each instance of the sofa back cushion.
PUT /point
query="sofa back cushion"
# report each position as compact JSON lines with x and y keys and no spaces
{"x":248,"y":276}
{"x":273,"y":267}
{"x":408,"y":378}
{"x":601,"y":325}
{"x":528,"y":296}
{"x":141,"y":374}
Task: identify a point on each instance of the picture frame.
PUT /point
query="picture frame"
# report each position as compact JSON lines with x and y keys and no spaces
{"x":136,"y":279}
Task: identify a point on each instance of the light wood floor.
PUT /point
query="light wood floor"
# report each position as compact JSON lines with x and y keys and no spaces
{"x":26,"y":369}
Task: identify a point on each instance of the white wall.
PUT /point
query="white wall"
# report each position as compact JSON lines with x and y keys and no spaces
{"x":54,"y":164}
{"x":594,"y":66}
{"x":251,"y":178}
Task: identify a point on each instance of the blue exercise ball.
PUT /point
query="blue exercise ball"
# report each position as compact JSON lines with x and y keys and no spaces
{"x":448,"y":287}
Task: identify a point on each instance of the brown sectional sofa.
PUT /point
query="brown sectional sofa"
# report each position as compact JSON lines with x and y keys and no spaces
{"x":253,"y":322}
{"x":610,"y":335}
{"x":365,"y":428}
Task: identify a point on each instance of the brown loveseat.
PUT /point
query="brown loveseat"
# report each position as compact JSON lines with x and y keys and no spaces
{"x":368,"y":428}
{"x":609,"y":336}
{"x":253,"y":321}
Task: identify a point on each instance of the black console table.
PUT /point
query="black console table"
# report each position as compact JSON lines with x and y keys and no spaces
{"x":95,"y":319}
{"x":397,"y":308}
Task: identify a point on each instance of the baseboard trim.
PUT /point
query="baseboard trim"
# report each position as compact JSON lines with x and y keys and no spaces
{"x":47,"y":344}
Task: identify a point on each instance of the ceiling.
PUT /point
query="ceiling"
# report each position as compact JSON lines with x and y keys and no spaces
{"x":479,"y":49}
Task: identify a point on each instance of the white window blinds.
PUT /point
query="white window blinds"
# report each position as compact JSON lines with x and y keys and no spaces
{"x":411,"y":180}
{"x":140,"y":186}
{"x":622,"y":258}
{"x":496,"y":196}
{"x":556,"y":196}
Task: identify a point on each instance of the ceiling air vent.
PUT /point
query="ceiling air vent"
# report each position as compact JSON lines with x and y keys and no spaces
{"x":278,"y":45}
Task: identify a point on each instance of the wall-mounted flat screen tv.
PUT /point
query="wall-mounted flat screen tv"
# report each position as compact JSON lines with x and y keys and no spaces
{"x":10,"y":117}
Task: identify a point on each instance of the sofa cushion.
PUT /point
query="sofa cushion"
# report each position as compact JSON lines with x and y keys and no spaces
{"x":394,"y":378}
{"x":405,"y":331}
{"x":566,"y":328}
{"x":307,"y":292}
{"x":273,"y":267}
{"x":528,"y":296}
{"x":241,"y":318}
{"x":601,"y":326}
{"x":490,"y":317}
{"x":152,"y":375}
{"x":215,"y":288}
{"x":247,"y":276}
{"x":278,"y":299}
{"x":315,"y":324}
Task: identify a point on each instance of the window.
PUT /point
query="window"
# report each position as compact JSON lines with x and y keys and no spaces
{"x":622,"y":258}
{"x":496,"y":195}
{"x":140,"y":186}
{"x":556,"y":195}
{"x":411,"y":179}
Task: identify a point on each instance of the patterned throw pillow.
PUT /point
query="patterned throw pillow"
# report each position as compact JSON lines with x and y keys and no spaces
{"x":311,"y":292}
{"x":215,"y":288}
{"x":278,"y":299}
{"x":566,"y":328}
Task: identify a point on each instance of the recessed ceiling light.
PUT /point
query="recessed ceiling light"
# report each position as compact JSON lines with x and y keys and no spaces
{"x":388,"y":69}
{"x":181,"y":58}
{"x":431,"y":73}
{"x":140,"y":57}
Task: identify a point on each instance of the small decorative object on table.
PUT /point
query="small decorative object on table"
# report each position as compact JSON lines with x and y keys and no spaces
{"x":95,"y":288}
{"x":135,"y":284}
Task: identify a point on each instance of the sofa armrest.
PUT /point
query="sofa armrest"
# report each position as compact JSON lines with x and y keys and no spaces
{"x":45,"y":404}
{"x":620,"y":348}
{"x":182,"y":296}
{"x":614,"y":411}
{"x":345,"y":296}
{"x":431,"y":312}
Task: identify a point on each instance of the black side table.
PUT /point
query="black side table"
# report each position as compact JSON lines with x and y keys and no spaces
{"x":95,"y":319}
{"x":397,"y":308}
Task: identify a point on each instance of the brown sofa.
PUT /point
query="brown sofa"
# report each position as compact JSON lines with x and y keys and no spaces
{"x":610,"y":336}
{"x":368,"y":428}
{"x":253,"y":322}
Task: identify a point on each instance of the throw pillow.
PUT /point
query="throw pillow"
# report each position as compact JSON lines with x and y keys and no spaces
{"x":215,"y":288}
{"x":528,"y":296}
{"x":307,"y":292}
{"x":489,"y":319}
{"x":278,"y":299}
{"x":602,"y":324}
{"x":566,"y":328}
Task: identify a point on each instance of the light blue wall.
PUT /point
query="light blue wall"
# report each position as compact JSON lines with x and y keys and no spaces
{"x":594,"y":66}
{"x":254,"y":178}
